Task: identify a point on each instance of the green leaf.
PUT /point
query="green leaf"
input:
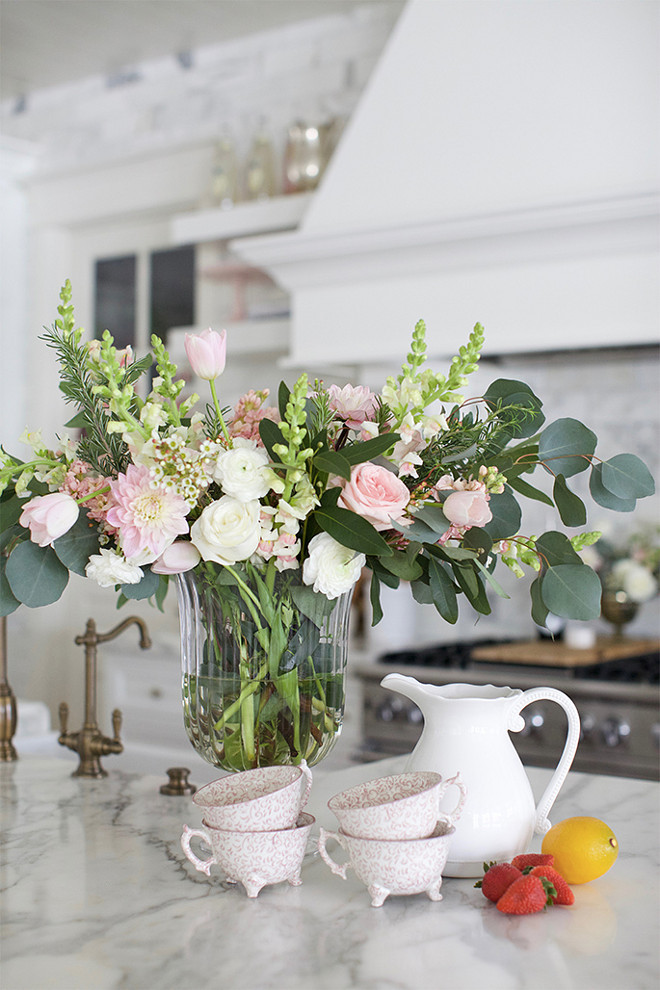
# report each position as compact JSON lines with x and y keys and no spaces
{"x":77,"y":422}
{"x":572,"y":591}
{"x":477,"y":539}
{"x":332,"y":462}
{"x":384,"y":576}
{"x":571,"y":508}
{"x":529,"y":491}
{"x":433,"y":516}
{"x":626,"y":476}
{"x":374,"y":596}
{"x":271,"y":434}
{"x":506,"y":516}
{"x":421,"y":591}
{"x":311,"y":603}
{"x":283,"y":394}
{"x":566,"y":447}
{"x":351,"y":530}
{"x":11,"y":508}
{"x":539,"y":608}
{"x":495,"y":585}
{"x":144,"y":589}
{"x":443,"y":591}
{"x":8,"y":602}
{"x":602,"y":496}
{"x":361,"y":451}
{"x":418,"y":531}
{"x":555,"y":548}
{"x":302,"y":644}
{"x":76,"y":547}
{"x":462,"y":455}
{"x":404,"y":563}
{"x":35,"y":575}
{"x":17,"y":532}
{"x":507,"y":392}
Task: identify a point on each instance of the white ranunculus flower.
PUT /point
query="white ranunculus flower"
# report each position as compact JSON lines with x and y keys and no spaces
{"x":227,"y":530}
{"x":330,"y":567}
{"x":242,"y":471}
{"x":109,"y":568}
{"x":635,"y":579}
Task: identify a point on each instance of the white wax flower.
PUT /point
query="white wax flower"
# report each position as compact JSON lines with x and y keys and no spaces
{"x":330,"y":567}
{"x":227,"y":530}
{"x":242,"y":471}
{"x":109,"y":568}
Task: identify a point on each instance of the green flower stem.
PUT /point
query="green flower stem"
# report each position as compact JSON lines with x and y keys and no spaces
{"x":251,"y":600}
{"x":86,"y":498}
{"x":218,"y":411}
{"x":247,"y":691}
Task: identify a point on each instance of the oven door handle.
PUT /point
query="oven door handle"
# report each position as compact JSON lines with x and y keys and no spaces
{"x":541,"y":821}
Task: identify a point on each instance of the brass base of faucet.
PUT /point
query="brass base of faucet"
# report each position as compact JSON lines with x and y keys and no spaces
{"x":8,"y":715}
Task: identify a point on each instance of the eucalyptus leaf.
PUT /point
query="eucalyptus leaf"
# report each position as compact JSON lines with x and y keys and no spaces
{"x":35,"y":575}
{"x":539,"y":608}
{"x":602,"y":496}
{"x":506,"y":515}
{"x":11,"y":508}
{"x":8,"y":602}
{"x":517,"y":406}
{"x":572,"y":591}
{"x":461,"y":455}
{"x":76,"y":547}
{"x":311,"y":603}
{"x":495,"y":585}
{"x":555,"y":548}
{"x":478,"y":540}
{"x":433,"y":516}
{"x":144,"y":589}
{"x":571,"y":507}
{"x":626,"y":476}
{"x":529,"y":491}
{"x":351,"y":530}
{"x":418,"y":531}
{"x":566,"y":447}
{"x":443,"y":591}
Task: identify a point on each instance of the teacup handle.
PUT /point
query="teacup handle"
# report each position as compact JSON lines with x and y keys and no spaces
{"x":516,"y":723}
{"x":339,"y":869}
{"x":203,"y":865}
{"x":308,"y":783}
{"x":453,"y":816}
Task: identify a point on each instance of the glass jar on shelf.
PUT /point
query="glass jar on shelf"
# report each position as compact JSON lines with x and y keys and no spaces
{"x":259,"y":169}
{"x":223,"y":188}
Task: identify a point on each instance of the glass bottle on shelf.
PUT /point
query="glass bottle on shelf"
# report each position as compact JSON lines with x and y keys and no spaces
{"x":259,"y":170}
{"x":303,"y":157}
{"x":223,"y":190}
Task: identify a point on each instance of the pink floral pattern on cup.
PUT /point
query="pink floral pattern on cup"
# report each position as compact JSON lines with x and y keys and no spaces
{"x":400,"y":806}
{"x":254,"y":859}
{"x":258,"y":800}
{"x":407,"y":866}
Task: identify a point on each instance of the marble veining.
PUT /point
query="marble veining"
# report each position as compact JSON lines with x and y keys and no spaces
{"x":96,"y":892}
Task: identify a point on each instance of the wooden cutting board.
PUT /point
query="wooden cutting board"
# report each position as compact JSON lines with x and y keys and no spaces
{"x":546,"y":653}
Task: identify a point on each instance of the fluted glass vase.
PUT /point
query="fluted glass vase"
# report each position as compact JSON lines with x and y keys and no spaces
{"x":263,"y":666}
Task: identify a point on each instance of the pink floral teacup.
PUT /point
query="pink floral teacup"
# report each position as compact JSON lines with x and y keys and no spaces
{"x":406,"y":866}
{"x":401,"y":806}
{"x":258,"y":800}
{"x":254,"y":859}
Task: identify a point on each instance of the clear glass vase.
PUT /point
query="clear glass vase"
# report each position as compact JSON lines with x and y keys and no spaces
{"x":263,"y":666}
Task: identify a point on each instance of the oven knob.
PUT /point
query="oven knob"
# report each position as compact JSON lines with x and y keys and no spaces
{"x":614,"y":731}
{"x":534,"y":722}
{"x":415,"y":716}
{"x":587,"y":726}
{"x":389,"y":710}
{"x":655,"y":732}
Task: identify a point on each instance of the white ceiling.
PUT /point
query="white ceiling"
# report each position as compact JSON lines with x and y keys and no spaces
{"x":48,"y":42}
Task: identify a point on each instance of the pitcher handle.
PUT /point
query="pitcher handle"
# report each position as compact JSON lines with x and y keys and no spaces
{"x":453,"y":816}
{"x":307,"y":785}
{"x":516,"y":723}
{"x":338,"y":868}
{"x":203,"y":865}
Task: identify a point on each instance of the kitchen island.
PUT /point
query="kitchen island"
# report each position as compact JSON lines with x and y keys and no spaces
{"x":98,"y":895}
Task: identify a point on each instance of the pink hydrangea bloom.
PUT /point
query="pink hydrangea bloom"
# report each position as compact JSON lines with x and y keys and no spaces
{"x":147,"y":516}
{"x":354,"y":404}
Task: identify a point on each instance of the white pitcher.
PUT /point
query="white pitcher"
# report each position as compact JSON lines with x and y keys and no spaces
{"x":466,"y":729}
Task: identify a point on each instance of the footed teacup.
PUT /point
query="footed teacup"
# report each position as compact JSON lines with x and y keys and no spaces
{"x":259,"y":800}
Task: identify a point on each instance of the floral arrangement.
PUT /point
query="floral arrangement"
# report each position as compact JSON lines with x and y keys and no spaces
{"x":278,"y":508}
{"x":630,"y":566}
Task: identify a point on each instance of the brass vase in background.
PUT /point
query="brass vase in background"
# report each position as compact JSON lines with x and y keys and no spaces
{"x":8,"y":714}
{"x":618,"y":609}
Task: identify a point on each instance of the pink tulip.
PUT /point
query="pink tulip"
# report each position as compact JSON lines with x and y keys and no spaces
{"x":207,"y":352}
{"x":180,"y":556}
{"x":49,"y":517}
{"x":467,"y":508}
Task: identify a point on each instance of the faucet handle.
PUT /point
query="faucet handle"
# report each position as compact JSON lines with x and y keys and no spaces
{"x":64,"y":717}
{"x":116,"y":724}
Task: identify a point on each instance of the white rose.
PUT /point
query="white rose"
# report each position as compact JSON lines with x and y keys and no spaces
{"x":330,"y":567}
{"x":227,"y":530}
{"x":635,"y":579}
{"x":109,"y":568}
{"x":242,"y":471}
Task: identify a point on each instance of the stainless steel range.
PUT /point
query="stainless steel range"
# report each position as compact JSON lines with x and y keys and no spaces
{"x":614,"y":686}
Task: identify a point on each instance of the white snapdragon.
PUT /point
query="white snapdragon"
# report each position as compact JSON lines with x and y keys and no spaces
{"x":109,"y":568}
{"x":331,"y":568}
{"x":242,"y":471}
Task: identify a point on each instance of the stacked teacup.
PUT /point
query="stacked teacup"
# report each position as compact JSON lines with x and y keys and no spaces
{"x":394,"y":834}
{"x":254,"y":826}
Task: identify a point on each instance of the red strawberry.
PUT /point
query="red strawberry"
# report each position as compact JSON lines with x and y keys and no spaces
{"x":497,"y":879}
{"x":564,"y":893}
{"x":532,"y":859}
{"x":527,"y":895}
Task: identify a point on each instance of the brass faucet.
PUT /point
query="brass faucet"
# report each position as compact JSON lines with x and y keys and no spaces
{"x":8,"y":713}
{"x":89,"y":742}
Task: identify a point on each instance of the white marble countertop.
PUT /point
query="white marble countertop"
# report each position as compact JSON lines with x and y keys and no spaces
{"x":97,"y":895}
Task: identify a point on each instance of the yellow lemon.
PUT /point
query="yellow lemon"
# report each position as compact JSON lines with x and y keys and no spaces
{"x":584,"y":848}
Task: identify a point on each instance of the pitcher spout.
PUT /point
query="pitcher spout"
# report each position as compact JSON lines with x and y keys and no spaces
{"x":408,"y":686}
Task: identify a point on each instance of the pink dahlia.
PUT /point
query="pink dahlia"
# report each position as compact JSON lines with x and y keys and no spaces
{"x":147,"y":517}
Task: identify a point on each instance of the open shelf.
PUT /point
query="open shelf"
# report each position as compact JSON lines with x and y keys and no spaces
{"x":268,"y":215}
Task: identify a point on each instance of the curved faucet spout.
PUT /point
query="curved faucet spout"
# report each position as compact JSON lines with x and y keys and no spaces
{"x":92,"y":635}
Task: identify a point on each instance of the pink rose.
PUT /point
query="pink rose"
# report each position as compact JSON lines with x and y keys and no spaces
{"x":49,"y":517}
{"x":467,"y":508}
{"x":206,"y":352}
{"x":180,"y":556}
{"x":376,"y":494}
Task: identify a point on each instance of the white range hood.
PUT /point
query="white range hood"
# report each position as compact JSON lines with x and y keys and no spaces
{"x":501,"y":167}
